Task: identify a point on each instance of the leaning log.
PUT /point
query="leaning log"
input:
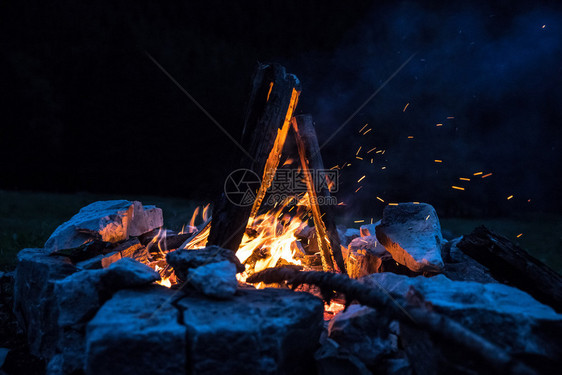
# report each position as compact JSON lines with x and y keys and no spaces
{"x":313,"y":169}
{"x":272,"y":101}
{"x":511,"y":264}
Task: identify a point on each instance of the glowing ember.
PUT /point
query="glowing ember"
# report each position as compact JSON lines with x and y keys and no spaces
{"x":330,"y":310}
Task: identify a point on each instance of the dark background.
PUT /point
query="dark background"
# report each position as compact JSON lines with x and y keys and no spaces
{"x":82,"y":108}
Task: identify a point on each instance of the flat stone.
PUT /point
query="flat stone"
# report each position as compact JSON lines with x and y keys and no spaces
{"x":411,"y":233}
{"x":504,"y":315}
{"x":108,"y":221}
{"x":215,"y":279}
{"x":183,"y":260}
{"x":137,"y":332}
{"x":128,"y":273}
{"x":278,"y":330}
{"x":35,"y":305}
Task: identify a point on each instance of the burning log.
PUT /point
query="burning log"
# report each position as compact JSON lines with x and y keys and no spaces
{"x":272,"y":101}
{"x":413,"y":312}
{"x":326,"y":232}
{"x":506,"y":261}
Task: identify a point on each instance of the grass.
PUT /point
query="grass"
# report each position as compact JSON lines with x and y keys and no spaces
{"x":27,"y":219}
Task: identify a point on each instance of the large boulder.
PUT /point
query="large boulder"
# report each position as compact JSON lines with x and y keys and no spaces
{"x":35,"y":304}
{"x":278,"y":330}
{"x":137,"y":332}
{"x":502,"y":314}
{"x":108,"y":221}
{"x":412,"y":234}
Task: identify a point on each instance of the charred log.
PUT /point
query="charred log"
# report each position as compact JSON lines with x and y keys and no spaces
{"x":311,"y":161}
{"x":509,"y":263}
{"x":270,"y":107}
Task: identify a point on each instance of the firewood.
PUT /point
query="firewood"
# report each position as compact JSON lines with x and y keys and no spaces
{"x":393,"y":306}
{"x":509,"y":263}
{"x":311,"y":160}
{"x":271,"y":104}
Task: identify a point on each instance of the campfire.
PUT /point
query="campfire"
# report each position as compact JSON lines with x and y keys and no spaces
{"x":114,"y":291}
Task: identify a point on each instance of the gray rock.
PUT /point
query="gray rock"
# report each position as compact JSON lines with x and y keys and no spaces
{"x":128,"y":273}
{"x":184,"y":260}
{"x":368,"y":229}
{"x":278,"y":329}
{"x":461,"y":267}
{"x":3,"y":354}
{"x":333,"y":360}
{"x":364,"y":256}
{"x":360,"y":331}
{"x":412,"y":234}
{"x":215,"y":279}
{"x":137,"y":332}
{"x":35,"y":304}
{"x":505,"y":315}
{"x":347,"y":235}
{"x":109,"y":221}
{"x":80,"y":296}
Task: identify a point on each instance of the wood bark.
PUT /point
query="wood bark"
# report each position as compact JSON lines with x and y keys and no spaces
{"x":313,"y":169}
{"x":509,"y":263}
{"x":270,"y":107}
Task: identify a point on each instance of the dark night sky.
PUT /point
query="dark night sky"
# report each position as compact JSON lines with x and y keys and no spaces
{"x":83,"y":108}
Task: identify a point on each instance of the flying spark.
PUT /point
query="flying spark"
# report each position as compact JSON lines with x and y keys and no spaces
{"x":457,"y":187}
{"x":407,"y":104}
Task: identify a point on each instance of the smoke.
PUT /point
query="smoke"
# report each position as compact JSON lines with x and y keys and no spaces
{"x":497,"y":72}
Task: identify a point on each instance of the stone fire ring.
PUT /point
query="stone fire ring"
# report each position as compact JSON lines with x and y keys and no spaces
{"x":150,"y":329}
